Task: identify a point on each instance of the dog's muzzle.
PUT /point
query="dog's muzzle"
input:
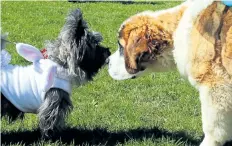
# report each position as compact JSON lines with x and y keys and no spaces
{"x":117,"y":69}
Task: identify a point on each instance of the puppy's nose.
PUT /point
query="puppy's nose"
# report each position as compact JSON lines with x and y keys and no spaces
{"x":107,"y":60}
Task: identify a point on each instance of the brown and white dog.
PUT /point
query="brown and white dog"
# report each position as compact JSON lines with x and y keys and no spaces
{"x":195,"y":37}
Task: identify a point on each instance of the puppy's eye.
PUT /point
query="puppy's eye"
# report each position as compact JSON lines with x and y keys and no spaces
{"x":154,"y":42}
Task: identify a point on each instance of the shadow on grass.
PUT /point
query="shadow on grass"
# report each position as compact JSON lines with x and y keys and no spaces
{"x":96,"y":136}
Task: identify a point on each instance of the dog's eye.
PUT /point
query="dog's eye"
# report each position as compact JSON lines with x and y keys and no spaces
{"x":155,"y":44}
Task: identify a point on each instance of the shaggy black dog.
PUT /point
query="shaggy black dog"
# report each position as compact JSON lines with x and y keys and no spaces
{"x":79,"y":55}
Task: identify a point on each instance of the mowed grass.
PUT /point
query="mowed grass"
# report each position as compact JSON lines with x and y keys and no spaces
{"x":157,"y":109}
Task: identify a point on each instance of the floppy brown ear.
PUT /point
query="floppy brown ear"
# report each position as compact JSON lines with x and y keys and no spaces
{"x":134,"y":49}
{"x":132,"y":40}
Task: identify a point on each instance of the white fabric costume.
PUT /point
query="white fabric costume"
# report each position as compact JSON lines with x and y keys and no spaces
{"x":25,"y":86}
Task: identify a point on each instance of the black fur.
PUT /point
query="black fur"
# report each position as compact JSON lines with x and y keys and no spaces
{"x":53,"y":111}
{"x":92,"y":65}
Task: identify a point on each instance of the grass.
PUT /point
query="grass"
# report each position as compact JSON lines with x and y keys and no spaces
{"x":159,"y":109}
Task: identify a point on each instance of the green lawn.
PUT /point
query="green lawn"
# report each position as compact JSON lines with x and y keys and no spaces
{"x":158,"y":109}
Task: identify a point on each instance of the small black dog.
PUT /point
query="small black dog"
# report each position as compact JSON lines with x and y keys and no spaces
{"x":79,"y":55}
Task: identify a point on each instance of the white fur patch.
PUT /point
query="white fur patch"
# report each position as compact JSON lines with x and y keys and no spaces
{"x":117,"y":69}
{"x":182,"y":37}
{"x":216,"y":114}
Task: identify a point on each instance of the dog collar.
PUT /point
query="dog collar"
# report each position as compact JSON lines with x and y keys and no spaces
{"x":44,"y":53}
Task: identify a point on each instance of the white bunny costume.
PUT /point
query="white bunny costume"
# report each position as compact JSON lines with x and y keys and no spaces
{"x":25,"y":86}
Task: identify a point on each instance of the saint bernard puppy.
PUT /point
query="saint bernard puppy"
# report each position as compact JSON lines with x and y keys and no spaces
{"x":195,"y":37}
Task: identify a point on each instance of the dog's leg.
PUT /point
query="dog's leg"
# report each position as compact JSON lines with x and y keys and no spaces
{"x":9,"y":110}
{"x":216,"y":107}
{"x":52,"y":113}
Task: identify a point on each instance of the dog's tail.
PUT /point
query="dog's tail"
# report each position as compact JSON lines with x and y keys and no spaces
{"x":52,"y":113}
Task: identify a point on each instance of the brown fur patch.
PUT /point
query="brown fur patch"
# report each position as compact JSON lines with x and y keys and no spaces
{"x":170,"y":21}
{"x":208,"y":37}
{"x":209,"y":21}
{"x":226,"y":36}
{"x":142,"y":34}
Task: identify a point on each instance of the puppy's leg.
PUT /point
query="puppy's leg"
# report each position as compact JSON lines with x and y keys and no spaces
{"x":52,"y":113}
{"x":216,"y":107}
{"x":9,"y":110}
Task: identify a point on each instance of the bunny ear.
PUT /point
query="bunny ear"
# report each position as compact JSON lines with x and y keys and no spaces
{"x":49,"y":77}
{"x":29,"y":52}
{"x":48,"y":71}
